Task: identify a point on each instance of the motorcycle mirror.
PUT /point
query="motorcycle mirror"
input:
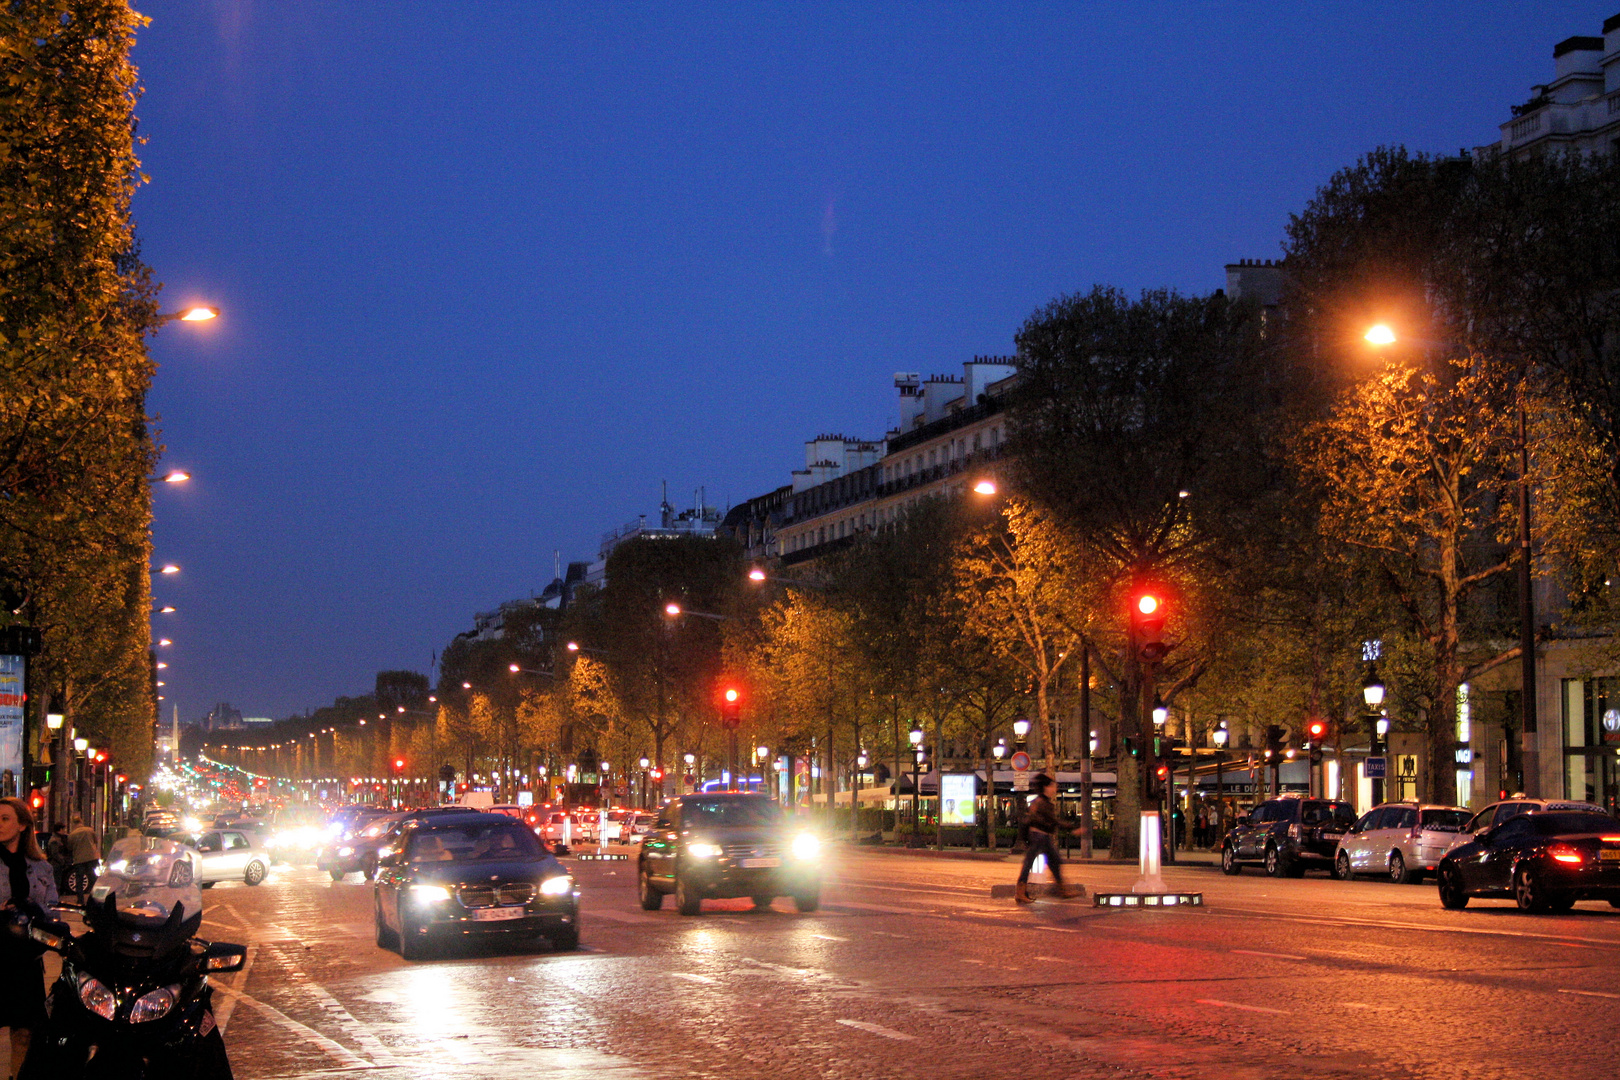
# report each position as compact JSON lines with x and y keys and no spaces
{"x":51,"y":941}
{"x":222,"y":956}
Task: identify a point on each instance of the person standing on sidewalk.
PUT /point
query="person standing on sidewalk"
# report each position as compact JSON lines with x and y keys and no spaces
{"x":1043,"y":831}
{"x":27,"y":879}
{"x":86,"y":852}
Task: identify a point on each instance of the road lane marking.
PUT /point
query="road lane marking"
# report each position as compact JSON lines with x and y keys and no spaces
{"x":879,"y":1029}
{"x":689,"y":977}
{"x":1235,"y":1005}
{"x":1272,"y":955}
{"x":349,"y":1059}
{"x":222,"y":1015}
{"x":1591,"y":993}
{"x":1051,"y":959}
{"x":357,"y":1031}
{"x":1058,"y":929}
{"x":885,"y":933}
{"x":965,"y":960}
{"x":1384,"y":924}
{"x":829,"y":937}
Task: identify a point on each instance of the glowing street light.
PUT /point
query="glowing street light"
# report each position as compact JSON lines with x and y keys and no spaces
{"x":175,"y":476}
{"x":169,"y":568}
{"x":756,"y":574}
{"x":986,"y":486}
{"x":1380,"y":334}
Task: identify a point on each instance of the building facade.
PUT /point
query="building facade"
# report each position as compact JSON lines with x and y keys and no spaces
{"x":1579,"y":109}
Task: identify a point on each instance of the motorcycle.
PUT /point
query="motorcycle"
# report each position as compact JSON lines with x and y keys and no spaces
{"x":133,"y":999}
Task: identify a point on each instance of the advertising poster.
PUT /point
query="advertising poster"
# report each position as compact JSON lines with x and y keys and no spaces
{"x":11,"y":723}
{"x":957,"y":803}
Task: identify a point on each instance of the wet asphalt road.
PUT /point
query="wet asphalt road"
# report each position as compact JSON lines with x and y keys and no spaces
{"x":910,"y":969}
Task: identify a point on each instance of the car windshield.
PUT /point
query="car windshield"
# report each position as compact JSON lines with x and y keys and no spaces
{"x":1563,"y":822}
{"x":1443,"y":820}
{"x":473,"y":842}
{"x":376,"y":828}
{"x":729,"y":813}
{"x":1318,"y":813}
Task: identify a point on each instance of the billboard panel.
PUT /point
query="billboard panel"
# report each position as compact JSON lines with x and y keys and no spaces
{"x":956,"y":802}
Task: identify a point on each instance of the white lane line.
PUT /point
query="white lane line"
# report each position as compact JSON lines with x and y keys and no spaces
{"x":885,"y":933}
{"x":1591,"y":993}
{"x":829,"y":937}
{"x":349,"y":1059}
{"x":1051,"y":959}
{"x":222,"y":1015}
{"x":1272,"y":955}
{"x":360,"y":1033}
{"x":1058,"y":929}
{"x":878,"y":1029}
{"x":1235,"y":1005}
{"x":965,"y":960}
{"x":689,"y":977}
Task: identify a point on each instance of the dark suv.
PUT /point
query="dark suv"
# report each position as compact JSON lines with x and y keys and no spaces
{"x":1287,"y":836}
{"x":721,"y":845}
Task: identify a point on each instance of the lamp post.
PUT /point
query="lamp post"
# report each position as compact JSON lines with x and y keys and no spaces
{"x":915,"y":736}
{"x":855,"y":797}
{"x":1372,"y":692}
{"x":691,"y":769}
{"x":1219,"y":737}
{"x":1167,"y":797}
{"x":644,"y":764}
{"x":998,"y":752}
{"x":762,"y":754}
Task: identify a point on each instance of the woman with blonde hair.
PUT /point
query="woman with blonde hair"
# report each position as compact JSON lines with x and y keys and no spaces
{"x":27,"y":878}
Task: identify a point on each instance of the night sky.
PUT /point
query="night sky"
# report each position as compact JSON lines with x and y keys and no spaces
{"x":491,"y":272}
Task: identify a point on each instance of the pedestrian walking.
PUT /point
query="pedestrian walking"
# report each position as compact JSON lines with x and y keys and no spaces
{"x":60,"y":854}
{"x":1044,"y":827}
{"x":86,"y":853}
{"x":27,"y":880}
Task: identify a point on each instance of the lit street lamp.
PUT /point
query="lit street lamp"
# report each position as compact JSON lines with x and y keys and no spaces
{"x":916,"y":738}
{"x":1372,"y":692}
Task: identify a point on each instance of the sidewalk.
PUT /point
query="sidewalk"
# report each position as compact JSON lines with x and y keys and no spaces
{"x":1182,"y":858}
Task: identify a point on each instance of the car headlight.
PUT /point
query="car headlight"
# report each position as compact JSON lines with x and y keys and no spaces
{"x":428,"y":894}
{"x":191,"y":824}
{"x":96,"y":997}
{"x":154,"y":1005}
{"x":345,"y":852}
{"x":806,"y":846}
{"x":703,"y":851}
{"x":561,"y":885}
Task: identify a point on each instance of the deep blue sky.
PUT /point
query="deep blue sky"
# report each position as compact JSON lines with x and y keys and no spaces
{"x":492,"y":271}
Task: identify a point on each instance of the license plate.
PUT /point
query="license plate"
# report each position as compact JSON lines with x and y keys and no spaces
{"x":1332,"y":835}
{"x":497,"y":914}
{"x":1609,"y":855}
{"x":759,"y":864}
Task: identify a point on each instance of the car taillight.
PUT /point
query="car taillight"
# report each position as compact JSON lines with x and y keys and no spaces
{"x":1294,"y":831}
{"x":1564,"y":853}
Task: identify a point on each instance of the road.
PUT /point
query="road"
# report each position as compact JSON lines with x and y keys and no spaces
{"x":910,"y":969}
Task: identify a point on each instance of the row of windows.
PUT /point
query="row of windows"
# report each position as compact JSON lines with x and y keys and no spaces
{"x":953,"y":450}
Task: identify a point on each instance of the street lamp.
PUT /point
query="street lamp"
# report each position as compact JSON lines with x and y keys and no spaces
{"x":986,"y":486}
{"x":1219,"y":737}
{"x":644,"y":764}
{"x":1372,"y":692}
{"x":916,"y":738}
{"x":1020,"y":728}
{"x":1161,"y":713}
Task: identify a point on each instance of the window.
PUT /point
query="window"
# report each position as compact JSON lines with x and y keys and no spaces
{"x":209,"y":843}
{"x":1482,"y":820}
{"x":234,"y":841}
{"x":1367,"y":819}
{"x":670,"y":817}
{"x":474,"y":842}
{"x":1507,"y":810}
{"x":1405,"y":819}
{"x":726,"y":813}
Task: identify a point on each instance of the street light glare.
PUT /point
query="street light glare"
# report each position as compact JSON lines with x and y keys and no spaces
{"x":176,"y":476}
{"x":164,"y":641}
{"x":756,"y":574}
{"x":1380,"y":335}
{"x":985,"y":487}
{"x":573,"y":646}
{"x":199,"y":314}
{"x":513,"y":668}
{"x":672,"y":609}
{"x":169,"y":568}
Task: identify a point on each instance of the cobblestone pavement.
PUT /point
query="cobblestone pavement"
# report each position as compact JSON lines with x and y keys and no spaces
{"x":910,"y":969}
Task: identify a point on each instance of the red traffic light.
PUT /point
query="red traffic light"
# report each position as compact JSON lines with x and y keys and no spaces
{"x":399,"y":763}
{"x":732,"y":693}
{"x":1164,"y":772}
{"x":1147,"y":603}
{"x":1148,"y":608}
{"x":1317,"y":729}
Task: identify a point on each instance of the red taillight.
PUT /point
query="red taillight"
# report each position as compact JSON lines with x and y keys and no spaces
{"x":1564,"y":853}
{"x":1610,"y":839}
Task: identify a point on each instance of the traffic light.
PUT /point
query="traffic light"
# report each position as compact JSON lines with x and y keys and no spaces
{"x":399,"y":763}
{"x":731,"y":708}
{"x":1161,"y":778}
{"x":1315,"y":736}
{"x":1274,"y":741}
{"x":1147,"y":625}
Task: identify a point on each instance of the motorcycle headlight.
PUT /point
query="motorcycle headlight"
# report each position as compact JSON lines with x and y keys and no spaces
{"x":154,"y":1005}
{"x":96,"y":997}
{"x":703,"y":851}
{"x":561,"y":885}
{"x":806,"y":846}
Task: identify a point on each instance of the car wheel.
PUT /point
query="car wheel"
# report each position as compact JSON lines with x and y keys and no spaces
{"x":1229,"y":863}
{"x":254,"y":874}
{"x":337,"y":875}
{"x":1453,"y":896}
{"x":651,"y":898}
{"x":1397,"y":868}
{"x":762,"y":903}
{"x":686,"y":901}
{"x":808,"y":901}
{"x":385,"y":936}
{"x":1276,"y":866}
{"x":1341,"y":867}
{"x":368,"y":869}
{"x":1528,"y":890}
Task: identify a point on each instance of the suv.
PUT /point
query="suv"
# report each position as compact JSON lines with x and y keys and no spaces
{"x":1405,"y":840}
{"x":1288,"y":836}
{"x":726,"y":845}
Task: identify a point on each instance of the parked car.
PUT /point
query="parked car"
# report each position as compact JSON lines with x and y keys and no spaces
{"x":1544,"y":861}
{"x":1404,"y":840}
{"x":727,"y":845}
{"x":471,"y":876}
{"x":1288,"y":836}
{"x":1499,"y":812}
{"x":226,"y":855}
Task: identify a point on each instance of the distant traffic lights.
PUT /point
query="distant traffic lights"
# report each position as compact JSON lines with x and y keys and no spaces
{"x":1316,"y":732}
{"x":1147,"y":625}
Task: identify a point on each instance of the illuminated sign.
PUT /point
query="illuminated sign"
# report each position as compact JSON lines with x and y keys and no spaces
{"x":958,"y":802}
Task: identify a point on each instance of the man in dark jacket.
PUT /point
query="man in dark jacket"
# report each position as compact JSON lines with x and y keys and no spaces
{"x":1044,"y":827}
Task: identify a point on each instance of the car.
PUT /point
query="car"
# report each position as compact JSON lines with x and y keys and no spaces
{"x":227,"y":855}
{"x":1405,"y":840}
{"x":1544,"y":861}
{"x":470,"y":876}
{"x":1498,"y":812}
{"x":1287,"y":836}
{"x":295,"y":833}
{"x":724,"y":845}
{"x":379,"y":839}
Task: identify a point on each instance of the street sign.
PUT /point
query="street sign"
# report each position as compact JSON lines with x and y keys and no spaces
{"x":1375,"y":768}
{"x":1020,"y":779}
{"x":1020,"y":762}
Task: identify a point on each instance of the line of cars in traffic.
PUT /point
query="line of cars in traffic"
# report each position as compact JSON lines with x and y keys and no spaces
{"x":1544,"y":854}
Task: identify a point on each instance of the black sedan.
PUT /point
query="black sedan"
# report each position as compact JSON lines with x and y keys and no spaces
{"x":1544,"y":862}
{"x":472,"y":876}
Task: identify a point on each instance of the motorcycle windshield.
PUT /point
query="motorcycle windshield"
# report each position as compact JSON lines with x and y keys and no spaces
{"x":146,"y":878}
